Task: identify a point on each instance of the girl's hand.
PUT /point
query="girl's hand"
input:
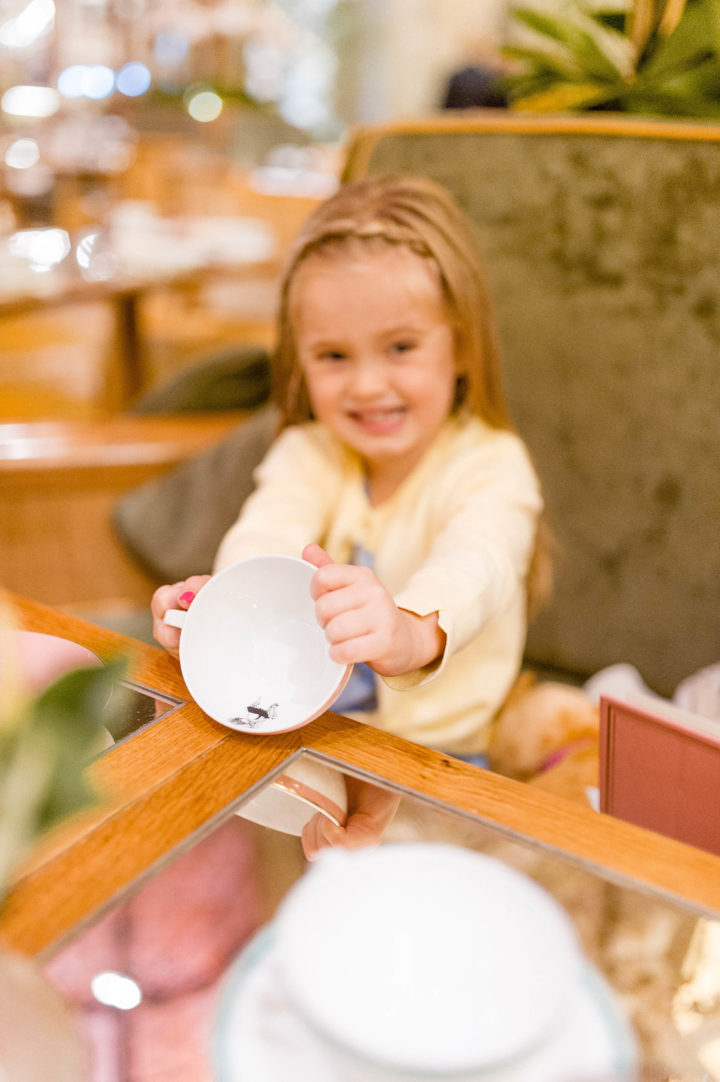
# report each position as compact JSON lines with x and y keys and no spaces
{"x":178,"y":596}
{"x":370,"y":812}
{"x":362,"y":623}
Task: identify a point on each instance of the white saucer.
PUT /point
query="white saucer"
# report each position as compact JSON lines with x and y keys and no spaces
{"x":258,"y":1035}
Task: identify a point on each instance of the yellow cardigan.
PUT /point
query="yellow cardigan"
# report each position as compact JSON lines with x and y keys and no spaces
{"x":456,"y":538}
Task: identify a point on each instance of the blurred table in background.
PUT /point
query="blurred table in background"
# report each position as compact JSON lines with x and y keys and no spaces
{"x":184,"y":256}
{"x":138,"y":254}
{"x":58,"y":484}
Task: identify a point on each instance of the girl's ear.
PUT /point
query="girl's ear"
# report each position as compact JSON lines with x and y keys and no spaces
{"x":461,"y":389}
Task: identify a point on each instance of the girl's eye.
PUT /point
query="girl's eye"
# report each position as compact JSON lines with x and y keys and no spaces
{"x":403,"y":346}
{"x":332,"y":355}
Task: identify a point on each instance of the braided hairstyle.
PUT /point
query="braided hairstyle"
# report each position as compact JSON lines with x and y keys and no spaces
{"x":416,"y":214}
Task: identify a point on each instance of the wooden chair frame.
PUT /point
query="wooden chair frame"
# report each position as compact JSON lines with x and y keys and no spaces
{"x":363,"y":139}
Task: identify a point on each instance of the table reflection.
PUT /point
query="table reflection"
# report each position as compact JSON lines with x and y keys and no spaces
{"x":138,"y":706}
{"x":144,"y":979}
{"x":147,"y":977}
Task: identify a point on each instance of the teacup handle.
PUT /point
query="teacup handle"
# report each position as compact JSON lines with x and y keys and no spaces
{"x":175,"y":617}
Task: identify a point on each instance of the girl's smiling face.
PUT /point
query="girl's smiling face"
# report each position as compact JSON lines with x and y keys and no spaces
{"x":376,"y":349}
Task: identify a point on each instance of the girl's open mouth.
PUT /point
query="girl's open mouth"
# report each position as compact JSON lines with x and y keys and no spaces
{"x":380,"y":422}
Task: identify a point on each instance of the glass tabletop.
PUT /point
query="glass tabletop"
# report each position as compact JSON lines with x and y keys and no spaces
{"x":154,"y":979}
{"x":149,"y":913}
{"x":138,"y":706}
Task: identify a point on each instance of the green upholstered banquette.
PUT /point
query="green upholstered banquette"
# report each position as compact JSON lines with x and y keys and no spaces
{"x":601,"y":237}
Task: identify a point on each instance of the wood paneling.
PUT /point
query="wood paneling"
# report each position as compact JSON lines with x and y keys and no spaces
{"x":58,"y":484}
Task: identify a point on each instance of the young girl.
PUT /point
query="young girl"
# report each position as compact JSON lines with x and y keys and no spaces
{"x":396,"y":472}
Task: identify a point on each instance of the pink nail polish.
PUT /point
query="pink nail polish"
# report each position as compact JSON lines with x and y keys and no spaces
{"x":187,"y":597}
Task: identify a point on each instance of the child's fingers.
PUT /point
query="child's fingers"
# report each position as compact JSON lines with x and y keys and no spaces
{"x":337,"y":600}
{"x":338,"y":595}
{"x":371,"y":649}
{"x":316,"y":555}
{"x":319,"y":833}
{"x":351,"y":626}
{"x":177,"y":596}
{"x":332,"y":577}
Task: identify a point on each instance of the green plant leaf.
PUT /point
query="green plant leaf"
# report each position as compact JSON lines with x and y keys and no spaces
{"x":582,"y":52}
{"x":44,"y":756}
{"x":539,"y":62}
{"x":643,"y":18}
{"x":566,"y":97}
{"x":675,"y":72}
{"x":593,"y":59}
{"x":560,"y":30}
{"x":529,"y":85}
{"x":65,"y":726}
{"x":660,"y":106}
{"x":611,"y":20}
{"x":695,"y":92}
{"x":713,"y":7}
{"x":691,"y":41}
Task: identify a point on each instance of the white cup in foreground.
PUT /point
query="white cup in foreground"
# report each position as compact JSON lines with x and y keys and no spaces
{"x":252,"y":654}
{"x":419,"y":961}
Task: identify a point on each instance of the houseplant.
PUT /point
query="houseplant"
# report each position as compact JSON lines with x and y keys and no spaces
{"x":652,"y":56}
{"x":46,"y":739}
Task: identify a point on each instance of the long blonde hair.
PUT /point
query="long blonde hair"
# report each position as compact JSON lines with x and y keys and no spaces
{"x":415,"y":213}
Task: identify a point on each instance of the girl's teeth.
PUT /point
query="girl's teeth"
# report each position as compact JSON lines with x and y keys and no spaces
{"x":380,"y":415}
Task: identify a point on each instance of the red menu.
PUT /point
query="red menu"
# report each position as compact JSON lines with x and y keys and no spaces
{"x":660,"y":769}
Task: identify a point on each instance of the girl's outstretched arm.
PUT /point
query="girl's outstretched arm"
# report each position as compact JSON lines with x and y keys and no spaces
{"x":362,"y":623}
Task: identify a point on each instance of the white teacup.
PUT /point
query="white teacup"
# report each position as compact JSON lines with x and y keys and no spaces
{"x":304,"y":789}
{"x":252,"y":654}
{"x":419,"y":961}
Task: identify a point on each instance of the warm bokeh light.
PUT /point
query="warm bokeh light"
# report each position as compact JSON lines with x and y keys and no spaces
{"x":204,"y":105}
{"x":115,"y":990}
{"x":22,"y":154}
{"x":30,"y":101}
{"x":42,"y":248}
{"x":28,"y":26}
{"x":95,"y":258}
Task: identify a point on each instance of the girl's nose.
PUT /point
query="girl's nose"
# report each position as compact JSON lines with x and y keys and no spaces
{"x":367,"y":377}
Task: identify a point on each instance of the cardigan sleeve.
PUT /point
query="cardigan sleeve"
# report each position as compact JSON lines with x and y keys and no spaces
{"x":485,"y":514}
{"x":297,"y":485}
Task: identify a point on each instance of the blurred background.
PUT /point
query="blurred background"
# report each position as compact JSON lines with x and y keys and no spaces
{"x":156,"y":159}
{"x":157,"y":155}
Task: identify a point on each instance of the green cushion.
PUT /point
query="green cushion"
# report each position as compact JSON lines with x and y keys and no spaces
{"x":173,"y":524}
{"x":233,"y":378}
